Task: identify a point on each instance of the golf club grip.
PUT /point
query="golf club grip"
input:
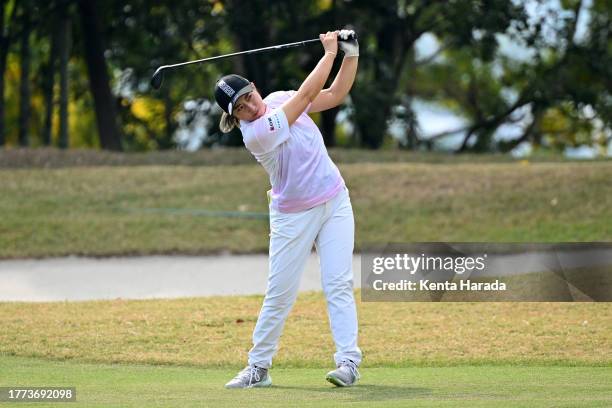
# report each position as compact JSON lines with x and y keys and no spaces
{"x":292,"y":45}
{"x":353,"y":36}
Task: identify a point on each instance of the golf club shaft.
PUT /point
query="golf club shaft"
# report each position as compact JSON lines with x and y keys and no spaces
{"x":255,"y":51}
{"x":158,"y":76}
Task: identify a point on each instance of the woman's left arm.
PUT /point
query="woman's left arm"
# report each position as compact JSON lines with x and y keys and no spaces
{"x":334,"y":95}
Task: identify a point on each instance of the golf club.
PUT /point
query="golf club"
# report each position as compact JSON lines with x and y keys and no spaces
{"x":158,"y":76}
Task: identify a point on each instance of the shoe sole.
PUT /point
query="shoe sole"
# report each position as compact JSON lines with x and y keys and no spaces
{"x":336,"y":381}
{"x":261,"y":384}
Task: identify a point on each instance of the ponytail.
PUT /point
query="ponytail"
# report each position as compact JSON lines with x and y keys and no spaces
{"x":228,"y":122}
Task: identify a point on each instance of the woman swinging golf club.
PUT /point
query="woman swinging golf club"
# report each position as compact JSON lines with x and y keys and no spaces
{"x":309,"y":203}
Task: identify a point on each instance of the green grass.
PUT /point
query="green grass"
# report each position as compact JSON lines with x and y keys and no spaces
{"x":106,"y":210}
{"x":103,"y":385}
{"x":180,"y":352}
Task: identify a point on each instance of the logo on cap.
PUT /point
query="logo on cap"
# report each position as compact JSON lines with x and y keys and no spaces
{"x":226,"y":88}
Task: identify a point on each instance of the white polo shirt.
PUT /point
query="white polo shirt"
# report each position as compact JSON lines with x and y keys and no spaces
{"x":301,"y":172}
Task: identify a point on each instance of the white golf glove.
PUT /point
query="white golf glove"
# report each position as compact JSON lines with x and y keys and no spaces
{"x":349,"y":44}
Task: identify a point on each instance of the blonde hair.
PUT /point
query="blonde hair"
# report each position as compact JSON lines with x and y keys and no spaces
{"x":228,"y":122}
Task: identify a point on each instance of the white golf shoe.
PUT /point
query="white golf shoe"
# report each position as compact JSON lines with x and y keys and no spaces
{"x":250,"y":377}
{"x":345,"y":375}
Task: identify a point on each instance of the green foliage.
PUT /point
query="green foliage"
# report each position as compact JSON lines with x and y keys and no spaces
{"x":566,"y":77}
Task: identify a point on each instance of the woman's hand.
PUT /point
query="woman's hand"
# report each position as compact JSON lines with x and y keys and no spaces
{"x":330,"y":42}
{"x":349,"y":46}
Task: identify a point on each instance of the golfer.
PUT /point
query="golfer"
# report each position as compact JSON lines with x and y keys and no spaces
{"x":309,"y":204}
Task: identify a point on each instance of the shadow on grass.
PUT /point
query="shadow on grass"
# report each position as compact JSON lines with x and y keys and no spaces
{"x":367,"y":392}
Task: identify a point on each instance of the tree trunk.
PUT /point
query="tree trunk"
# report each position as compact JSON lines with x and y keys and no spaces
{"x":167,"y":141}
{"x":64,"y":54}
{"x":466,"y":139}
{"x":49,"y":75}
{"x":106,"y":116}
{"x":328,"y":126}
{"x":374,"y":100}
{"x":252,"y":36}
{"x":328,"y":117}
{"x":24,"y":87}
{"x":4,"y":46}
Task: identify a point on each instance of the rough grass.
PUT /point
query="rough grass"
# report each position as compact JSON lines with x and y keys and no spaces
{"x":105,"y":210}
{"x":102,"y":385}
{"x":216,"y":332}
{"x":57,"y":158}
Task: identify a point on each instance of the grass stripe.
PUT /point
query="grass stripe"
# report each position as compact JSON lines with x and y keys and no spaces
{"x":103,"y":385}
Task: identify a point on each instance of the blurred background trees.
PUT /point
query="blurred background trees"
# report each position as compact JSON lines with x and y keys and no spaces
{"x":480,"y":76}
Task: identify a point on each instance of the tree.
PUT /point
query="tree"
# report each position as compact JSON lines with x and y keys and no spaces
{"x":140,"y":42}
{"x":48,"y":72}
{"x":64,"y":43}
{"x":563,"y":77}
{"x":560,"y":96}
{"x":6,"y":32}
{"x":110,"y":137}
{"x":24,"y":88}
{"x":392,"y":31}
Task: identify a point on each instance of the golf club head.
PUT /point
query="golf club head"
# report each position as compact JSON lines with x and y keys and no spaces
{"x":158,"y":78}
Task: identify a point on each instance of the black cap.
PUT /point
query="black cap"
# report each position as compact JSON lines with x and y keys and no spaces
{"x":229,"y":88}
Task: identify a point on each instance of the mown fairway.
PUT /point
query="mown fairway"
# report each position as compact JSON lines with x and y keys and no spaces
{"x":103,"y":385}
{"x":117,"y":210}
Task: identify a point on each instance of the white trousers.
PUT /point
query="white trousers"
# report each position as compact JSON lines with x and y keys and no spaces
{"x":330,"y":226}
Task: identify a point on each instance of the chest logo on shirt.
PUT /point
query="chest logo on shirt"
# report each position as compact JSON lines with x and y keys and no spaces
{"x":274,"y":122}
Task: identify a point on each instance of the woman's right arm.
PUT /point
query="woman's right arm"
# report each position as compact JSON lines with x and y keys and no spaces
{"x":313,"y":84}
